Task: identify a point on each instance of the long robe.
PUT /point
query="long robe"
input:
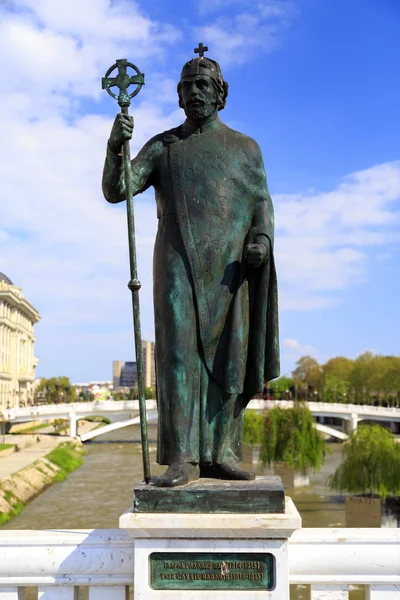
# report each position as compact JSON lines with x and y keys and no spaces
{"x":216,"y":320}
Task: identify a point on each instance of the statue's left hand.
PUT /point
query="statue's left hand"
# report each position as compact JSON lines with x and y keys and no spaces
{"x":256,"y":254}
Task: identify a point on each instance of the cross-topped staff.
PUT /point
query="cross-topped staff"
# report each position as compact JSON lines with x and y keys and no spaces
{"x":200,"y":50}
{"x":123,"y":81}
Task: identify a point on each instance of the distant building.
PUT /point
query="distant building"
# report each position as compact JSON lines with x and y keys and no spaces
{"x":125,"y":375}
{"x":116,"y":373}
{"x":17,"y":358}
{"x":149,"y":365}
{"x":99,"y":390}
{"x":128,"y":377}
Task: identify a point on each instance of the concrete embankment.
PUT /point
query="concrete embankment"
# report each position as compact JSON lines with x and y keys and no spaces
{"x":26,"y":473}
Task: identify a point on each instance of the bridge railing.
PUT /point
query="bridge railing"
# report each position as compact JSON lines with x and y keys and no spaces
{"x":331,"y":408}
{"x":57,"y":563}
{"x":81,"y":408}
{"x":133,"y":405}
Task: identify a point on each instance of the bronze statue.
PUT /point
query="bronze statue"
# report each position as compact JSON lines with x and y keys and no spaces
{"x":215,"y":289}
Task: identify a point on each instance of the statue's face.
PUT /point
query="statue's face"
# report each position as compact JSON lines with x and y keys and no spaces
{"x":199,"y":97}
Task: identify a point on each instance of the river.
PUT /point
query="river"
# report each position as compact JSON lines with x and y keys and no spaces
{"x":95,"y":495}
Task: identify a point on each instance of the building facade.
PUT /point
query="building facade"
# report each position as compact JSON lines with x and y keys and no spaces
{"x":93,"y":390}
{"x":128,"y":377}
{"x":149,"y":365}
{"x":17,"y":358}
{"x":125,"y":374}
{"x":116,"y":373}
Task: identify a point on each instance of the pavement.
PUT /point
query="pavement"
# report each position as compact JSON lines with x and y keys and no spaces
{"x":23,"y":458}
{"x":32,"y":447}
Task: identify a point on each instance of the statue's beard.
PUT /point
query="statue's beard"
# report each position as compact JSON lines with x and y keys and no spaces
{"x":198,"y":110}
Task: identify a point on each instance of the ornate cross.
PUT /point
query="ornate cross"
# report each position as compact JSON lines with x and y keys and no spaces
{"x":122,"y":81}
{"x":201,"y":49}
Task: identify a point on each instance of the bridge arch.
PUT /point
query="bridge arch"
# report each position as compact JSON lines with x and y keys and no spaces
{"x":90,"y":435}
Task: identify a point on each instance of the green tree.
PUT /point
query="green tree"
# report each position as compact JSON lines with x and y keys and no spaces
{"x":149,"y":393}
{"x":371,"y":464}
{"x":253,"y":428}
{"x":290,"y":437}
{"x":56,"y":389}
{"x":335,"y":389}
{"x":280,"y":385}
{"x":366,"y":374}
{"x":308,"y":372}
{"x":338,"y":367}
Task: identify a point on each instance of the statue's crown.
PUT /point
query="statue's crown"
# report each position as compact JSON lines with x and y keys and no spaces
{"x":202,"y":66}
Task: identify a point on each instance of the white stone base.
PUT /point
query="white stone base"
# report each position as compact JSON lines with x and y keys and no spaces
{"x":194,"y":533}
{"x":144,"y":547}
{"x":206,"y":526}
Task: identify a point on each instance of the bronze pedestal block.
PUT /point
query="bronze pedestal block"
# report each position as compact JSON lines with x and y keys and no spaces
{"x":263,"y":495}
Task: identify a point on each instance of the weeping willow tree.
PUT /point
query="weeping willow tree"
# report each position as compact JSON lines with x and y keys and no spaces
{"x":371,"y":464}
{"x":287,"y":436}
{"x":254,"y":428}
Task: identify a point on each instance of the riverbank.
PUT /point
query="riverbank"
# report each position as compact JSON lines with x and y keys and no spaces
{"x":25,"y":474}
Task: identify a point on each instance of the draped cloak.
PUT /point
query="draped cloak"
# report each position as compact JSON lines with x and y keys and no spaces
{"x":212,"y":200}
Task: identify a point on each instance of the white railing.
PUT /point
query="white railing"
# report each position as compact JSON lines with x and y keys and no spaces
{"x":58,"y":563}
{"x":338,"y":409}
{"x":77,"y":408}
{"x":127,"y":406}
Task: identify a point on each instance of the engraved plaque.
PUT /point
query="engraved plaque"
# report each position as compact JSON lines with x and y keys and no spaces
{"x":212,"y":571}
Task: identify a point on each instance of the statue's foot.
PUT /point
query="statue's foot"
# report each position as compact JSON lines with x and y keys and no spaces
{"x":178,"y":474}
{"x":227,"y":470}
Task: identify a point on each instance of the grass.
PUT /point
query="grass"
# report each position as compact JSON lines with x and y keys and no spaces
{"x":5,"y":446}
{"x":67,"y":457}
{"x":16,"y":507}
{"x":60,"y":425}
{"x":31,"y":429}
{"x":97,"y":419}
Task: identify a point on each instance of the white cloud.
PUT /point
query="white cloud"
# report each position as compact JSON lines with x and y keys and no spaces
{"x":256,"y":27}
{"x":65,"y":48}
{"x":324,"y":240}
{"x":292,"y":350}
{"x":59,"y":239}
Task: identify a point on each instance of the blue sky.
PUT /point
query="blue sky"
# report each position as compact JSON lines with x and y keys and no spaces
{"x":315,"y":82}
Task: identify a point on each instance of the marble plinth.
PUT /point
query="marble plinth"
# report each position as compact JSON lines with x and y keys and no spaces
{"x":215,"y":535}
{"x":263,"y":495}
{"x":198,"y":526}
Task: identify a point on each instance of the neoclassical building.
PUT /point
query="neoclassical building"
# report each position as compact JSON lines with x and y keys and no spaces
{"x":17,"y":359}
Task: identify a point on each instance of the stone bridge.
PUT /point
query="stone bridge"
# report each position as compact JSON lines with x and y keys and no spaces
{"x":126,"y":413}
